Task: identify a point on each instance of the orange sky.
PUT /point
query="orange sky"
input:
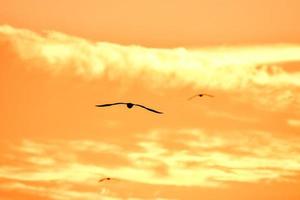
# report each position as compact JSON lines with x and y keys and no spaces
{"x":161,"y":23}
{"x":60,"y":58}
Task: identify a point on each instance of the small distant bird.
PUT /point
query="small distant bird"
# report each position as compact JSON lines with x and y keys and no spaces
{"x":129,"y":105}
{"x":105,"y":179}
{"x":200,"y":95}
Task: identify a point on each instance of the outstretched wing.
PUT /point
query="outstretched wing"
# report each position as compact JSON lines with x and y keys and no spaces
{"x":200,"y":95}
{"x":109,"y":104}
{"x":103,"y":179}
{"x":108,"y":179}
{"x":193,"y":96}
{"x":149,"y":109}
{"x":209,"y":95}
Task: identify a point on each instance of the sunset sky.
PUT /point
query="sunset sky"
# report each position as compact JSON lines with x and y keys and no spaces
{"x":58,"y":59}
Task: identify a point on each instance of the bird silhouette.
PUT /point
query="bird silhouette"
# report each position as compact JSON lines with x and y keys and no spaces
{"x":105,"y":179}
{"x":200,"y":95}
{"x":130,"y":105}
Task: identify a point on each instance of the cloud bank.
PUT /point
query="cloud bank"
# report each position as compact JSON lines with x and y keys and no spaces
{"x":220,"y":67}
{"x":210,"y":158}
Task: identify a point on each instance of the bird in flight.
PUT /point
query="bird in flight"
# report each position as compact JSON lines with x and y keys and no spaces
{"x":200,"y":95}
{"x":105,"y":179}
{"x":130,"y":105}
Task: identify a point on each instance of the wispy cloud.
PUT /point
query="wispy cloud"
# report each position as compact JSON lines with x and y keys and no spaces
{"x":225,"y":68}
{"x":256,"y":153}
{"x":256,"y":72}
{"x":205,"y":158}
{"x":241,"y":156}
{"x":294,"y":122}
{"x":58,"y":192}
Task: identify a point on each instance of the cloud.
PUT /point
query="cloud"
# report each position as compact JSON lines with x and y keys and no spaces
{"x":211,"y":158}
{"x":247,"y":156}
{"x":294,"y":122}
{"x":220,"y":67}
{"x":58,"y":192}
{"x":257,"y":72}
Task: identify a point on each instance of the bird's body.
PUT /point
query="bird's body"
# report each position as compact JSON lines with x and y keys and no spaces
{"x":200,"y":95}
{"x":130,"y":105}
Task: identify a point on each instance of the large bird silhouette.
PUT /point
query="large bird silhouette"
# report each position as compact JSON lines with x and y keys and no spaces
{"x":130,"y":105}
{"x":200,"y":95}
